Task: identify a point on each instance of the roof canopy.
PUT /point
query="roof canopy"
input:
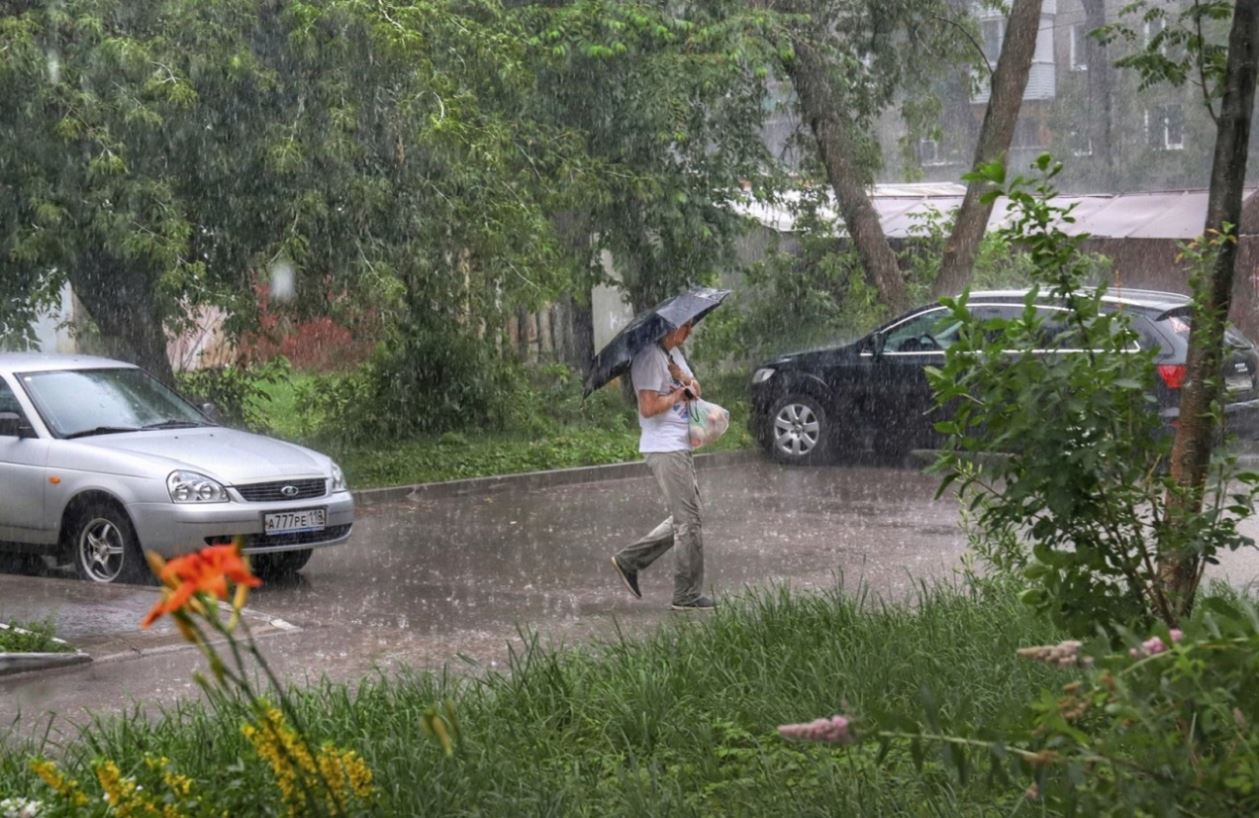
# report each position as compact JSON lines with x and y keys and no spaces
{"x":1178,"y":214}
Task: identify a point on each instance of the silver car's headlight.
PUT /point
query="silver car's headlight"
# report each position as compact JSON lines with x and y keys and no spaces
{"x":763,"y":374}
{"x":338,"y":478}
{"x":191,"y":487}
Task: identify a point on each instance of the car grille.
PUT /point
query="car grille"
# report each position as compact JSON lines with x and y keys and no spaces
{"x":273,"y":492}
{"x":250,"y":541}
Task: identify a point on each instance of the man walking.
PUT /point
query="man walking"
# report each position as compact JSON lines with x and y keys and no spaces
{"x":663,"y":382}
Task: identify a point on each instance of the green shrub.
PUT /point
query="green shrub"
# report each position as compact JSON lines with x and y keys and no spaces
{"x":1079,"y":507}
{"x":30,"y":637}
{"x":420,"y":382}
{"x":239,"y":393}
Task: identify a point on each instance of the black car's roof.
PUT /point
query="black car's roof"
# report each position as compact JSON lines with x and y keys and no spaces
{"x":1147,"y":299}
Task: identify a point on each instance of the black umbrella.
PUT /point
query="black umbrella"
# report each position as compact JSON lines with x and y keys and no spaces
{"x":648,"y":328}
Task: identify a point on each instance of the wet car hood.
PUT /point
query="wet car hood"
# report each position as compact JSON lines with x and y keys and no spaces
{"x":809,"y":357}
{"x":228,"y":455}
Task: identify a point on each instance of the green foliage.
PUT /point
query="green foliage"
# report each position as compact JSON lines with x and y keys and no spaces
{"x":1163,"y":729}
{"x":1187,"y":44}
{"x":817,"y":293}
{"x":545,"y":425}
{"x":664,"y":102}
{"x":679,"y":722}
{"x":30,"y":637}
{"x":1079,"y":505}
{"x":236,"y":392}
{"x":423,"y":381}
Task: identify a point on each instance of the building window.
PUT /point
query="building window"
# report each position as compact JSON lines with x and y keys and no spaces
{"x":929,"y":152}
{"x":1028,"y":134}
{"x":1079,"y":48}
{"x":1165,"y":128}
{"x":993,"y":32}
{"x":1080,"y":142}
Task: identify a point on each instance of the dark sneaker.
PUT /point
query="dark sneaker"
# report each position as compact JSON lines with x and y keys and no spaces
{"x":701,"y":603}
{"x":630,"y":578}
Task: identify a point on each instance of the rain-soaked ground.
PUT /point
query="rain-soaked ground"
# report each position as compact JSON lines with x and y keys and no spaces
{"x":457,"y":579}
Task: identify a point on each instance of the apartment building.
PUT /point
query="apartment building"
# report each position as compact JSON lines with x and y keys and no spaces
{"x":1111,"y":134}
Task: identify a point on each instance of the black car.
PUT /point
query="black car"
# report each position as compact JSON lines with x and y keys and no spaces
{"x":873,"y":394}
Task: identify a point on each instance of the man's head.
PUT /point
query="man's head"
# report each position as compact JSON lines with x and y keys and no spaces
{"x":675,"y":337}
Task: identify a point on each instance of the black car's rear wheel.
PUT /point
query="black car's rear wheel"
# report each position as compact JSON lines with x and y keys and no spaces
{"x":799,"y":431}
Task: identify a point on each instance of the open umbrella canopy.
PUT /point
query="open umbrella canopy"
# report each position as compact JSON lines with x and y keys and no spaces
{"x":647,"y":328}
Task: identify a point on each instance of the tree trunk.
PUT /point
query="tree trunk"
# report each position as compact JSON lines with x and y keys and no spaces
{"x":995,"y":136}
{"x":1101,"y":84}
{"x":1191,"y":448}
{"x":578,"y":333}
{"x":837,"y":148}
{"x":579,"y":337}
{"x":122,"y":303}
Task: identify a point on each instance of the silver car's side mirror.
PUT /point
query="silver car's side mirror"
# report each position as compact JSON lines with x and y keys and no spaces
{"x":12,"y":425}
{"x":877,"y":342}
{"x":212,"y":412}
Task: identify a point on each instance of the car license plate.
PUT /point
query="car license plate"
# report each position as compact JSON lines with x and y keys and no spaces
{"x":1239,"y":383}
{"x":287,"y":522}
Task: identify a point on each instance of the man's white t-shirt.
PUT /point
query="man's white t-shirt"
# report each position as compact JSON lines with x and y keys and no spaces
{"x":667,"y":431}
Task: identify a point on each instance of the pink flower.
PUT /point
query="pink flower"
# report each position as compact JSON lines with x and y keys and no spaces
{"x":1063,"y":654}
{"x":830,"y":731}
{"x":1155,"y":645}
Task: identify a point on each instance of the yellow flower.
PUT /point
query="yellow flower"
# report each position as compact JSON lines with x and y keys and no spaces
{"x":67,"y":788}
{"x":336,"y":776}
{"x":126,"y":798}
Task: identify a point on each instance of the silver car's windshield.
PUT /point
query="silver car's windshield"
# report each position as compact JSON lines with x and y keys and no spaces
{"x":82,"y":402}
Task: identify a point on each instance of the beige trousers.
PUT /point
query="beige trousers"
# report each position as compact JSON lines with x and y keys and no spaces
{"x":675,"y":475}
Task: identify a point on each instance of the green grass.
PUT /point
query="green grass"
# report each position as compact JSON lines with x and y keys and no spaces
{"x":599,"y":432}
{"x":680,"y":724}
{"x":30,"y":637}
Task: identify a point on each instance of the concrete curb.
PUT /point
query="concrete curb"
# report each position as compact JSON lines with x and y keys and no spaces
{"x":130,"y":646}
{"x":925,"y":457}
{"x":528,"y":481}
{"x":11,"y":663}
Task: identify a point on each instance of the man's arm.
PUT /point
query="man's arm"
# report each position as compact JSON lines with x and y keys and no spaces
{"x":652,"y":403}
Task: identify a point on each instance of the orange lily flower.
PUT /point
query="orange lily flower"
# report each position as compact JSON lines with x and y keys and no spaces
{"x":207,"y":571}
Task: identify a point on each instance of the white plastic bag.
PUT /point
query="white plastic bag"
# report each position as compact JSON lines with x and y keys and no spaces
{"x":706,"y":421}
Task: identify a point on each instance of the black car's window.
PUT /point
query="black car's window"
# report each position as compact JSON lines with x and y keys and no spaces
{"x":931,"y":331}
{"x":1180,"y":325}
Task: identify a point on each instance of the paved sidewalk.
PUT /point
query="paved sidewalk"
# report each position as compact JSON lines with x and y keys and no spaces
{"x":103,"y":621}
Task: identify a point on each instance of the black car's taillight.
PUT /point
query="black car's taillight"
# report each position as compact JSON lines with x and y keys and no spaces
{"x":1172,"y":374}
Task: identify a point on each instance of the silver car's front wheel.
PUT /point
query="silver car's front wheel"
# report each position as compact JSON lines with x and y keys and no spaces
{"x":104,"y":546}
{"x":799,"y":432}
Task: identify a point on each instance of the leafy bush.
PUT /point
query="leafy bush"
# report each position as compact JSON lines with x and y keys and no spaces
{"x":1162,"y":727}
{"x":239,"y":393}
{"x":30,"y":637}
{"x":1079,"y":508}
{"x":423,"y":381}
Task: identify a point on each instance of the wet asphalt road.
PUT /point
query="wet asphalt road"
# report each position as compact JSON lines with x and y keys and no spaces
{"x":458,"y":579}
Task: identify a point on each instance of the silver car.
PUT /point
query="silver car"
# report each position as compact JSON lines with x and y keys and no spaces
{"x":100,"y":462}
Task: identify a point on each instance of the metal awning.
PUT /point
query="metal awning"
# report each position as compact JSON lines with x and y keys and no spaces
{"x":1176,"y":215}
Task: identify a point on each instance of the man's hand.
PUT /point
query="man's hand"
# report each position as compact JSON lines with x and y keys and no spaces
{"x":652,"y":403}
